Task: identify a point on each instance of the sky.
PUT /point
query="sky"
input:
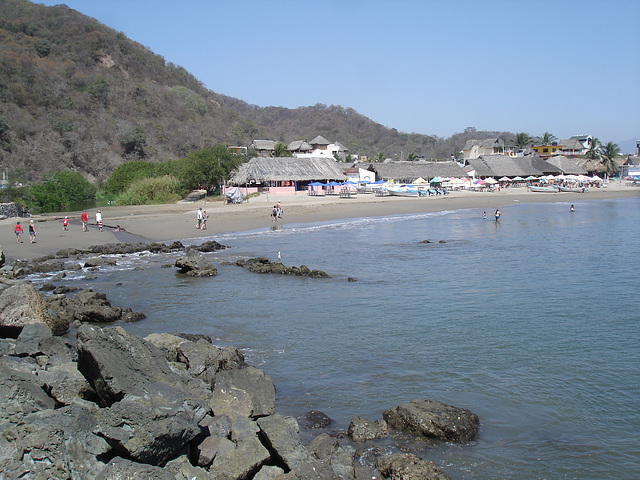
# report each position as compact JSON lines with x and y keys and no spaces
{"x":432,"y":67}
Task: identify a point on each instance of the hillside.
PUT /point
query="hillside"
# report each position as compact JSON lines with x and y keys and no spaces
{"x":75,"y":94}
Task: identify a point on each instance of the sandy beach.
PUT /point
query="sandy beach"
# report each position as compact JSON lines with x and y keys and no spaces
{"x":165,"y":223}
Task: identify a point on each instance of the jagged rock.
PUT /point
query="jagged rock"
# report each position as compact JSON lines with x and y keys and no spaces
{"x":281,"y":436}
{"x":199,"y":357}
{"x":360,"y":429}
{"x":129,"y":316}
{"x":119,"y":248}
{"x":28,"y":342}
{"x":3,"y":259}
{"x":90,"y":306}
{"x":434,"y":419}
{"x":62,"y":289}
{"x":264,"y":265}
{"x":232,"y":402}
{"x":269,"y":473}
{"x":21,"y":391}
{"x":366,"y":472}
{"x":219,"y":426}
{"x":152,"y":426}
{"x":323,"y":446}
{"x":312,"y":470}
{"x":407,"y":466}
{"x":242,"y":462}
{"x":211,"y":447}
{"x":342,"y":461}
{"x":194,"y":264}
{"x":52,"y":444}
{"x":255,"y":382}
{"x":168,"y":343}
{"x":313,"y":420}
{"x":65,"y":383}
{"x":182,"y":469}
{"x":123,"y":469}
{"x":194,"y":337}
{"x":21,"y":304}
{"x":98,"y":262}
{"x":211,"y":246}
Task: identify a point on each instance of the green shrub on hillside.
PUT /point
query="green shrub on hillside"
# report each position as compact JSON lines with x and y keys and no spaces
{"x":127,"y":173}
{"x":151,"y":191}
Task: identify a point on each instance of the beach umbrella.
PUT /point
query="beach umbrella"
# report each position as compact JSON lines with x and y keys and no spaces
{"x":583,"y":178}
{"x":379,"y":182}
{"x":596,"y":178}
{"x":491,"y":180}
{"x":364,"y":182}
{"x":333,"y":183}
{"x":436,"y":180}
{"x":543,"y":179}
{"x":479,"y":182}
{"x":505,"y":179}
{"x":561,"y":177}
{"x":518,"y":179}
{"x":419,"y":180}
{"x":316,"y":184}
{"x":531,"y":177}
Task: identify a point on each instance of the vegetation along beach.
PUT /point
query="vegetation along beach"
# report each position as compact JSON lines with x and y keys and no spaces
{"x":195,"y":286}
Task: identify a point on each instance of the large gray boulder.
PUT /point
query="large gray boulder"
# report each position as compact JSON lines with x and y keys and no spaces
{"x":434,"y":419}
{"x":21,"y":304}
{"x":28,"y":342}
{"x":282,"y":437}
{"x":242,"y":462}
{"x":65,"y":383}
{"x":21,"y":390}
{"x":360,"y":429}
{"x":250,"y":383}
{"x":52,"y":444}
{"x":123,"y":469}
{"x":407,"y":466}
{"x":116,"y":363}
{"x":194,"y":264}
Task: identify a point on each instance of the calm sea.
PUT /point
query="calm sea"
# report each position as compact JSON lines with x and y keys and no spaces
{"x":532,"y":323}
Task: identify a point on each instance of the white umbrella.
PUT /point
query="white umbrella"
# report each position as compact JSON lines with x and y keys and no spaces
{"x":518,"y":179}
{"x":490,"y":180}
{"x":596,"y":178}
{"x":505,"y":179}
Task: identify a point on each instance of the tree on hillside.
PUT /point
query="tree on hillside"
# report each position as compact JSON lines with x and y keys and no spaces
{"x":523,"y":139}
{"x":379,"y":157}
{"x":609,"y":152}
{"x":412,"y":157}
{"x":548,"y":138}
{"x":595,"y":150}
{"x":281,"y":150}
{"x":59,"y":190}
{"x":208,"y":167}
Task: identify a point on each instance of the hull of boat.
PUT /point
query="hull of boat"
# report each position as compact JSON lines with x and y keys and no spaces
{"x":544,"y":189}
{"x":573,"y":190}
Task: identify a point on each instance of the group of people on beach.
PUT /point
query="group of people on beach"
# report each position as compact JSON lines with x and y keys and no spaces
{"x":84,"y":217}
{"x":201,"y":219}
{"x":276,"y":212}
{"x":32,"y":232}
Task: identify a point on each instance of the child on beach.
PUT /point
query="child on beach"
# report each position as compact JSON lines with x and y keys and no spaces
{"x":204,"y":219}
{"x":99,"y":219}
{"x":32,"y":232}
{"x":65,"y":223}
{"x":85,"y":218}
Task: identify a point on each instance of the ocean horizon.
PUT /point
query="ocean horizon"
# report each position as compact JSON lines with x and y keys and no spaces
{"x":530,"y":322}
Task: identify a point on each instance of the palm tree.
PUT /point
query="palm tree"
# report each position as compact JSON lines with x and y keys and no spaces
{"x":522,"y":139}
{"x":412,"y":157}
{"x":548,"y":138}
{"x":608,"y":153}
{"x":280,"y":150}
{"x":379,"y":157}
{"x":595,"y":149}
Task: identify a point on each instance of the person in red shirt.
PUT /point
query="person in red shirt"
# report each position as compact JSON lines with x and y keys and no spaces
{"x":65,"y":223}
{"x":18,"y":230}
{"x":85,"y":218}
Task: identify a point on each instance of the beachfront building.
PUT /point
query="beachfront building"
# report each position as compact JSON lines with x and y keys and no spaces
{"x":566,"y":165}
{"x":498,"y":166}
{"x":407,"y":172}
{"x":284,"y":175}
{"x":477,"y":148}
{"x":545,"y":151}
{"x":263,"y":148}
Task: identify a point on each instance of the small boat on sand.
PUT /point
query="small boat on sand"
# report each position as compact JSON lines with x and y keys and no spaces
{"x":405,"y":191}
{"x":573,"y":189}
{"x":543,"y":189}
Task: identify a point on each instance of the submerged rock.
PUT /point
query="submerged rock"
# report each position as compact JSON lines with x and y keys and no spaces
{"x":194,"y":264}
{"x":264,"y":265}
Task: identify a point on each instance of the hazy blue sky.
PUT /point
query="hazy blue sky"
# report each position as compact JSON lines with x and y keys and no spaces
{"x":433,"y":67}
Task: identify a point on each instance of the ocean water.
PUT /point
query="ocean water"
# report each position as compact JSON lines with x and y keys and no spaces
{"x":532,"y":323}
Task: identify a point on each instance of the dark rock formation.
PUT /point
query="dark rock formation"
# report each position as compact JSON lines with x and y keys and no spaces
{"x":211,"y":246}
{"x":361,"y":429}
{"x":194,"y":264}
{"x":434,"y":419}
{"x":313,"y":420}
{"x":264,"y":265}
{"x":407,"y":466}
{"x":21,"y":304}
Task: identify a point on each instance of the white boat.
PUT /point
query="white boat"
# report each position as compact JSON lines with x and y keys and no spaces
{"x":543,"y":189}
{"x":405,"y":191}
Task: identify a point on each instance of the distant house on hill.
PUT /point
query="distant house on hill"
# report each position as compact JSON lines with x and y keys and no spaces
{"x":545,"y":151}
{"x":566,"y":165}
{"x":318,"y":147}
{"x":319,"y":143}
{"x":263,"y":148}
{"x":572,"y":147}
{"x":407,"y":172}
{"x":477,"y":148}
{"x":299,"y":146}
{"x":283,"y":175}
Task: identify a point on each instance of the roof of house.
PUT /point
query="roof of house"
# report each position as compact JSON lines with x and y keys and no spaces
{"x":571,"y":144}
{"x":568,"y":166}
{"x":265,"y":169}
{"x":409,"y":171}
{"x":486,"y":143}
{"x":263,"y":144}
{"x":590,"y":165}
{"x":299,"y":146}
{"x":319,"y":140}
{"x":506,"y":166}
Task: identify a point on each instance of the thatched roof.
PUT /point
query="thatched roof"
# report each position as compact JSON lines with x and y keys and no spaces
{"x":277,"y":169}
{"x":299,"y":146}
{"x":319,"y":140}
{"x":568,"y":166}
{"x":409,"y":171}
{"x":591,"y":166}
{"x":506,"y":166}
{"x":263,"y":144}
{"x":486,"y":143}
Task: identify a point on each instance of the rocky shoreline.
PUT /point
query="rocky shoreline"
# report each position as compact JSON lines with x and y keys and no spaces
{"x":102,"y":403}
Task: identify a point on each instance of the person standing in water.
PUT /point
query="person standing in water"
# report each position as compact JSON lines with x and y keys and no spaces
{"x":572,"y":209}
{"x":497,"y":215}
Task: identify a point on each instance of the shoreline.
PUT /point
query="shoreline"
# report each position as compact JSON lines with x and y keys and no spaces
{"x":165,"y":223}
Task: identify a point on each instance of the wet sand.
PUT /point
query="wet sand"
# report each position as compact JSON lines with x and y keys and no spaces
{"x":165,"y":223}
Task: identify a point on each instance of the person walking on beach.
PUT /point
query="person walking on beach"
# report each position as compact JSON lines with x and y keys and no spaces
{"x":18,"y":230}
{"x":199,"y":218}
{"x":85,"y":218}
{"x":99,"y":220}
{"x":497,"y":215}
{"x":65,"y":223}
{"x":204,"y":219}
{"x":274,"y":213}
{"x":32,"y":232}
{"x":572,"y":209}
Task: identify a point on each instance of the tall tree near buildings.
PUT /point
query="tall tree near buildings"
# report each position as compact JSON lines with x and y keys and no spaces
{"x":523,"y":139}
{"x":595,"y":150}
{"x":281,"y":150}
{"x":548,"y":138}
{"x":609,"y":152}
